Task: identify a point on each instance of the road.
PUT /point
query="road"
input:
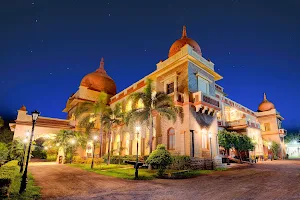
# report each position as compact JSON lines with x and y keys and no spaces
{"x":265,"y":180}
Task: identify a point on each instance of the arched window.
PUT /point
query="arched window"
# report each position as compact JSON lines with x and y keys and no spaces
{"x":129,"y":106}
{"x":140,"y":104}
{"x":171,"y":139}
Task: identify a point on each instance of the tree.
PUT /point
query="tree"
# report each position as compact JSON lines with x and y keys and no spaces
{"x":226,"y":140}
{"x":64,"y":138}
{"x":242,"y":143}
{"x":154,"y":103}
{"x":91,"y":112}
{"x":3,"y":152}
{"x":292,"y":137}
{"x":1,"y":122}
{"x":161,"y":158}
{"x":110,"y":118}
{"x":275,"y":149}
{"x":6,"y":136}
{"x":16,"y":150}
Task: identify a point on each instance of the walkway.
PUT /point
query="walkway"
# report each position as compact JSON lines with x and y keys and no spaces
{"x":266,"y":180}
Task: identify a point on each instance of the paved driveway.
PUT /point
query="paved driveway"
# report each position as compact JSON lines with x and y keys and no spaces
{"x":267,"y":180}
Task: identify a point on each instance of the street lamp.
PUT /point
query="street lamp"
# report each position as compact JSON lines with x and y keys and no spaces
{"x":35,"y":114}
{"x":72,"y":141}
{"x":212,"y":163}
{"x":137,"y":152}
{"x":23,"y":157}
{"x":94,"y":140}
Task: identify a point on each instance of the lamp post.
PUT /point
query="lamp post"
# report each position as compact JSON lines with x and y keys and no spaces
{"x":35,"y":114}
{"x":212,"y":163}
{"x":94,"y":140}
{"x":73,"y":141}
{"x":136,"y":175}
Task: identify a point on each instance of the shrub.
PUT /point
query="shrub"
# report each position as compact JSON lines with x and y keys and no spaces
{"x":3,"y":152}
{"x":161,"y":158}
{"x":80,"y":160}
{"x":181,"y":163}
{"x":8,"y":173}
{"x":38,"y":152}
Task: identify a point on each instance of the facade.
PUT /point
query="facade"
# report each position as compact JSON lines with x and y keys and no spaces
{"x":190,"y":80}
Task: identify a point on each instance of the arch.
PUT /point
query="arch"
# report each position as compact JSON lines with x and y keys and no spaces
{"x":171,"y":139}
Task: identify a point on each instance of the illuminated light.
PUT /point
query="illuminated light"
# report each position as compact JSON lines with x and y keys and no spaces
{"x":25,"y":140}
{"x":73,"y":141}
{"x":27,"y":133}
{"x":57,"y":144}
{"x":95,"y":137}
{"x":46,"y":148}
{"x":209,"y":135}
{"x":137,"y":129}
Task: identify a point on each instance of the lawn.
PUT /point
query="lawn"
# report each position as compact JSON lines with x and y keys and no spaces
{"x":127,"y":171}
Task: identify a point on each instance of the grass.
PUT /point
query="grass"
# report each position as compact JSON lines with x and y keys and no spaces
{"x":11,"y":171}
{"x":127,"y":171}
{"x":119,"y":171}
{"x":32,"y":191}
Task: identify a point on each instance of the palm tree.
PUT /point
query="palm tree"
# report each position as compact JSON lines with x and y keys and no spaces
{"x":67,"y":139}
{"x":112,"y":117}
{"x":154,"y":103}
{"x":89,"y":113}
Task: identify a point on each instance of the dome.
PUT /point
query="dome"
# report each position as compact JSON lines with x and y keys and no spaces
{"x":178,"y":44}
{"x":100,"y":81}
{"x":265,"y":105}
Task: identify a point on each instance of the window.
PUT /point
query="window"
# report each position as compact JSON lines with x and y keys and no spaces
{"x":129,"y":106}
{"x":267,"y":127}
{"x":204,"y":141}
{"x":203,"y":85}
{"x":140,"y":103}
{"x":171,"y":139}
{"x":170,"y":88}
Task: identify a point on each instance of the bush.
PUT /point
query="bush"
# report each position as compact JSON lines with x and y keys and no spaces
{"x":181,"y":163}
{"x":161,"y":158}
{"x":38,"y":152}
{"x":80,"y":160}
{"x":8,"y":173}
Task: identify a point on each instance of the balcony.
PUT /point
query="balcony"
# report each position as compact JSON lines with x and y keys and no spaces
{"x":282,"y":132}
{"x":240,"y":122}
{"x":205,"y":103}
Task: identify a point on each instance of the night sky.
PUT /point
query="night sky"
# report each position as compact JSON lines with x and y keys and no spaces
{"x":47,"y":47}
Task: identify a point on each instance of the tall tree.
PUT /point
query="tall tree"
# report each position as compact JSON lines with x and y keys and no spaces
{"x":1,"y":122}
{"x":154,"y":103}
{"x":89,"y":113}
{"x":112,"y":117}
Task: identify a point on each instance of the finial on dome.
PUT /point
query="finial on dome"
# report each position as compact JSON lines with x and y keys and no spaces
{"x":23,"y":108}
{"x":265,"y":96}
{"x":184,"y":32}
{"x":101,"y":67}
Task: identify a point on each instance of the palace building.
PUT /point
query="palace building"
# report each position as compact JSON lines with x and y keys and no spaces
{"x":191,"y":81}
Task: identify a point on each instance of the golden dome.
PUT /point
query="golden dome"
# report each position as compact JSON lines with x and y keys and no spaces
{"x":178,"y":44}
{"x":100,"y":81}
{"x":265,"y":105}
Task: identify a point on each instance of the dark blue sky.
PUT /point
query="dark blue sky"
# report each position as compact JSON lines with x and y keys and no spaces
{"x":48,"y":46}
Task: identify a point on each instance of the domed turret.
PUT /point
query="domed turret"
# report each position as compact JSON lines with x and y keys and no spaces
{"x":265,"y":105}
{"x":100,"y":81}
{"x":178,"y":44}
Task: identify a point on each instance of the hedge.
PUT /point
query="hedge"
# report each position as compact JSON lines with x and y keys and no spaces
{"x":181,"y":163}
{"x":8,"y":173}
